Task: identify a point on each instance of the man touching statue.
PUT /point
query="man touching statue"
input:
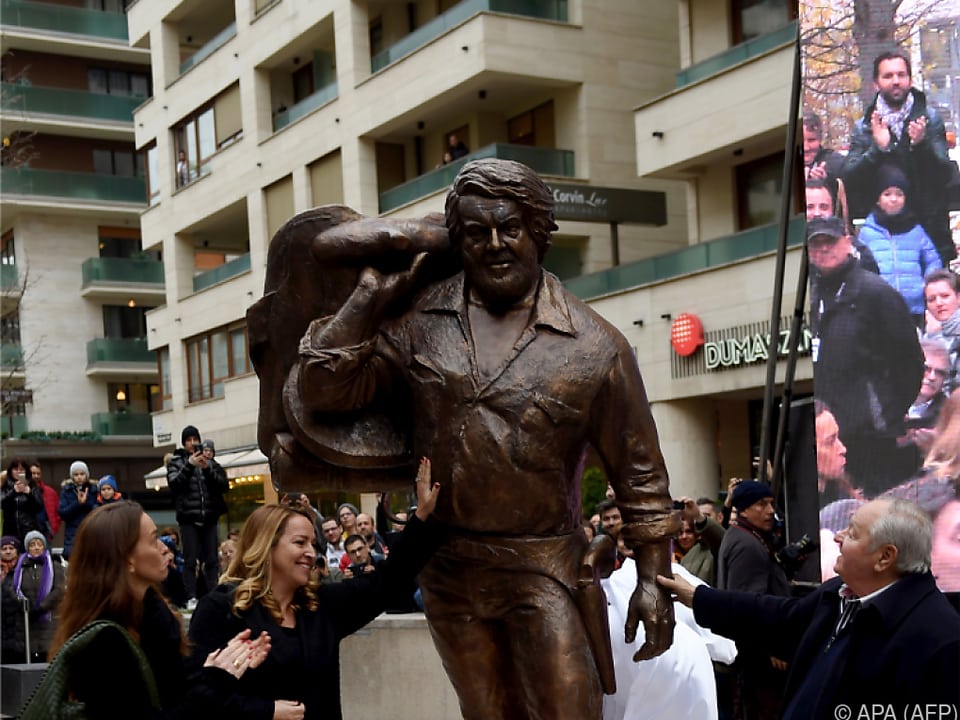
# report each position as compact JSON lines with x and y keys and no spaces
{"x":509,"y":378}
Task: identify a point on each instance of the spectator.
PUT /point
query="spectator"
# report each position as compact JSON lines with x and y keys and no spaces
{"x":78,"y":498}
{"x":365,"y":528}
{"x":879,"y":636}
{"x":358,"y":559}
{"x":109,"y":492}
{"x":821,"y":204}
{"x":819,"y":163}
{"x":610,"y":518}
{"x":332,"y":543}
{"x":923,"y":414}
{"x":703,"y":543}
{"x":174,"y":535}
{"x":21,"y":501}
{"x":117,"y":565}
{"x":347,"y":514}
{"x":456,"y":148}
{"x":328,"y":575}
{"x":903,"y":251}
{"x":38,"y":579}
{"x":9,"y":552}
{"x":708,"y":508}
{"x":172,"y":585}
{"x":12,"y":635}
{"x":275,"y":588}
{"x":942,"y":294}
{"x":945,"y":553}
{"x":227,"y":550}
{"x":197,"y":484}
{"x":51,"y":499}
{"x":832,"y":481}
{"x":183,"y":169}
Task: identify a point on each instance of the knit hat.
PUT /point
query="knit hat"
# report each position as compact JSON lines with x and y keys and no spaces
{"x":34,"y":535}
{"x":208,"y":443}
{"x":748,"y":492}
{"x":351,"y":506}
{"x":11,"y":540}
{"x":169,"y":542}
{"x":79,"y":465}
{"x":890,"y":175}
{"x":108,"y":480}
{"x":188,"y":432}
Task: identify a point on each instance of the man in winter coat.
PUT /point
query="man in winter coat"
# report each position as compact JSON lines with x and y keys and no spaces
{"x":197,"y":484}
{"x":78,"y":498}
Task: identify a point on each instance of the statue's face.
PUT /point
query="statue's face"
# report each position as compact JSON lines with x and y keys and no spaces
{"x":500,"y":256}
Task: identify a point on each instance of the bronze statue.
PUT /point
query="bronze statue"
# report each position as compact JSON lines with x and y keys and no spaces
{"x":502,"y":378}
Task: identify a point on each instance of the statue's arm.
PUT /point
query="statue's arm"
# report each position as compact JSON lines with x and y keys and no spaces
{"x":365,"y":238}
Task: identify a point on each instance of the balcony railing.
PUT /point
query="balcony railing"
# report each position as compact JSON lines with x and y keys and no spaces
{"x":73,"y":185}
{"x":9,"y":278}
{"x":305,"y":106}
{"x":696,"y":258}
{"x":223,"y":272}
{"x":63,"y":19}
{"x":546,"y":161}
{"x":11,"y":356}
{"x":13,"y":425}
{"x":72,"y":103}
{"x":543,"y":9}
{"x":209,"y":47}
{"x":125,"y":270}
{"x":121,"y":423}
{"x":737,"y":54}
{"x":119,"y":350}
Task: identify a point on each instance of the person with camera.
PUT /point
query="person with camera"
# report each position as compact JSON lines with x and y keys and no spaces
{"x":361,"y":559}
{"x":702,"y":537}
{"x":197,"y":484}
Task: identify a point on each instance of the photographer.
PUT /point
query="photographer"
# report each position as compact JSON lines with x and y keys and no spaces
{"x":700,"y":558}
{"x":361,"y":559}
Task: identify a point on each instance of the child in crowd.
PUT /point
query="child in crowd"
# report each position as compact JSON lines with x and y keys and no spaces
{"x":109,"y":491}
{"x":9,"y":552}
{"x":902,"y":248}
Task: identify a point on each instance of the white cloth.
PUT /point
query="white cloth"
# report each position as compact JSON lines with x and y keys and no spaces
{"x":678,"y":684}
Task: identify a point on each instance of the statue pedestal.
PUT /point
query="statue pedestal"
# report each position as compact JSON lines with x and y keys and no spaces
{"x":391,"y":669}
{"x":17,"y":683}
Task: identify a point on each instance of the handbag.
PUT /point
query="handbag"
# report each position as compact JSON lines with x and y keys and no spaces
{"x":52,"y":698}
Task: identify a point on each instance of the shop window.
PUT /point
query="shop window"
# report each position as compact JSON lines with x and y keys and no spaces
{"x":753,"y":18}
{"x":213,"y":357}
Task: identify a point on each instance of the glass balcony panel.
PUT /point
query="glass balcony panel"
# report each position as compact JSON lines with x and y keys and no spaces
{"x":209,"y":47}
{"x":9,"y":278}
{"x":546,"y":161}
{"x":544,"y":9}
{"x":721,"y":251}
{"x":126,"y":350}
{"x":121,"y":423}
{"x":128,"y":270}
{"x":73,"y":103}
{"x":737,"y":54}
{"x":73,"y":185}
{"x":11,"y":356}
{"x":60,"y":18}
{"x":13,"y":425}
{"x":305,"y":106}
{"x":223,"y":272}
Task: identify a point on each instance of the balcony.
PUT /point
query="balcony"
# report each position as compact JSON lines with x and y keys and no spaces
{"x":696,"y":258}
{"x":120,"y":358}
{"x":13,"y":425}
{"x":737,"y":54}
{"x":306,"y":106}
{"x":108,"y":278}
{"x":11,"y":356}
{"x":546,"y":161}
{"x":209,"y":47}
{"x":63,"y":19}
{"x":70,"y":103}
{"x":9,"y":278}
{"x":121,"y":423}
{"x":89,"y":187}
{"x":229,"y":269}
{"x":543,"y":9}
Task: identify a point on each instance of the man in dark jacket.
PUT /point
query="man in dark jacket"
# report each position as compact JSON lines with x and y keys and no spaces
{"x":879,"y":639}
{"x":197,"y":484}
{"x":866,"y":357}
{"x":899,"y":127}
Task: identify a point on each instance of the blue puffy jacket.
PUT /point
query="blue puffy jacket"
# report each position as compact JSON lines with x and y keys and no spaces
{"x":904,"y":259}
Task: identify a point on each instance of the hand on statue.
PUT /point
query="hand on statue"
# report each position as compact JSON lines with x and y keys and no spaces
{"x":678,"y":588}
{"x":427,"y":490}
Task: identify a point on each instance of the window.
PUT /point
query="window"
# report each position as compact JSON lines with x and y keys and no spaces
{"x":214,"y":357}
{"x":759,"y":184}
{"x":303,"y":82}
{"x":753,"y":18}
{"x":124,"y":163}
{"x":137,"y":398}
{"x":122,"y":322}
{"x":534,"y":127}
{"x":112,"y":81}
{"x":163,"y":370}
{"x":153,"y":174}
{"x":212,"y":127}
{"x":376,"y":36}
{"x":8,"y":255}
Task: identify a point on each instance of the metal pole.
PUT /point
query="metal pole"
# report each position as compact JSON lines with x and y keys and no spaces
{"x":790,"y":155}
{"x":615,"y":244}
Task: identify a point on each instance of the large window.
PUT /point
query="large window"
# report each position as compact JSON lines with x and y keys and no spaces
{"x":753,"y":18}
{"x":125,"y":163}
{"x":163,"y":370}
{"x":118,"y":82}
{"x":153,"y":173}
{"x":533,"y":127}
{"x":124,"y":322}
{"x":759,"y":185}
{"x":215,"y":356}
{"x":210,"y":128}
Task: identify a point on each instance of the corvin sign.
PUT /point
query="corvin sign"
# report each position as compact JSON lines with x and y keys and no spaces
{"x":588,"y":203}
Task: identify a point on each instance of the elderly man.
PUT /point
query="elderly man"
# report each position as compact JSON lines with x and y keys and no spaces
{"x":879,"y":636}
{"x":510,"y":377}
{"x":866,"y":358}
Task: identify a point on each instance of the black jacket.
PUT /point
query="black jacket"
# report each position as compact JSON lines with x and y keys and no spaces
{"x":902,"y":650}
{"x":20,"y":510}
{"x":197,"y":492}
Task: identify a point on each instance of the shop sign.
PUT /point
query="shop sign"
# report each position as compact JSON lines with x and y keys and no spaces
{"x":589,"y":203}
{"x":744,"y":350}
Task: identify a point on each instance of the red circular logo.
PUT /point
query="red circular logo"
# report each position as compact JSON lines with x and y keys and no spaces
{"x":686,"y":334}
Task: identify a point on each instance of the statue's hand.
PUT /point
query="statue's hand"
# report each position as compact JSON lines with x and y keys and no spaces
{"x":650,"y":604}
{"x":381,"y":291}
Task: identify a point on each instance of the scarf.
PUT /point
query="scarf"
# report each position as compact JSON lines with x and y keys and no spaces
{"x":894,"y":119}
{"x":895,"y":224}
{"x":46,"y":579}
{"x":951,"y":326}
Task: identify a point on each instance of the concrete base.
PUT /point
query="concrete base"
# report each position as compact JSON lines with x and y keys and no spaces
{"x":391,"y":669}
{"x":16,"y":685}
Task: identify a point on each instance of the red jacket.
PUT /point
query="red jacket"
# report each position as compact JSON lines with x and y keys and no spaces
{"x":51,"y":501}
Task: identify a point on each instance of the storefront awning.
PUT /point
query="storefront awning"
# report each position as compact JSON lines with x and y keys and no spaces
{"x":236,"y":463}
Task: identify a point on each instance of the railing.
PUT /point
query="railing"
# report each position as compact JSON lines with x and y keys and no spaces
{"x":73,"y":103}
{"x":73,"y":185}
{"x":223,"y":272}
{"x":9,"y":278}
{"x":119,"y":350}
{"x":695,"y":258}
{"x":121,"y":423}
{"x":546,"y":161}
{"x":127,"y":270}
{"x":11,"y":356}
{"x":737,"y":54}
{"x":13,"y":425}
{"x":305,"y":106}
{"x":209,"y":47}
{"x":60,"y":18}
{"x":543,"y":9}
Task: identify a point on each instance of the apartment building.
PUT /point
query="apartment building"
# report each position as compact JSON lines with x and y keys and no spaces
{"x":264,"y":109}
{"x":78,"y":380}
